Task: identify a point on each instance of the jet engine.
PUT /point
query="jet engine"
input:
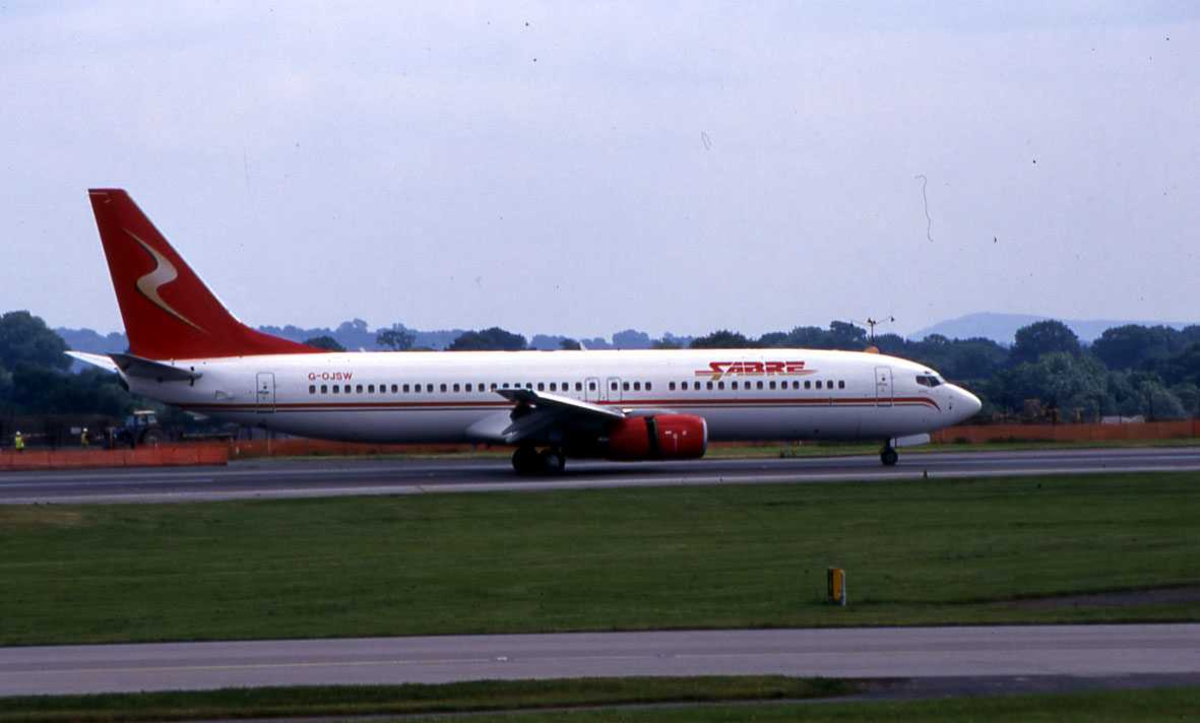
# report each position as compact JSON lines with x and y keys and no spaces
{"x":662,"y":436}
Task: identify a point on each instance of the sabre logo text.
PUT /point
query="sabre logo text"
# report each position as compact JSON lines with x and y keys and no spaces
{"x":719,"y":369}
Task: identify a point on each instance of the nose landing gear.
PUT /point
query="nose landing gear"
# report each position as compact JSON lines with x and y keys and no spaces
{"x":888,"y":456}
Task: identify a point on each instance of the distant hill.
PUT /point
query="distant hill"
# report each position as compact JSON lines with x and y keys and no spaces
{"x":1003,"y":328}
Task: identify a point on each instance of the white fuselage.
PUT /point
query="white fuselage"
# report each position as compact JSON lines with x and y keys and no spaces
{"x":768,"y":394}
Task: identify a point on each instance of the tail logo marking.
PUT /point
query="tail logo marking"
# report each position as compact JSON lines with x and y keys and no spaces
{"x":163,"y":273}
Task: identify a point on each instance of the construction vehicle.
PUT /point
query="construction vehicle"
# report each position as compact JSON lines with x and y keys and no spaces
{"x":141,"y":427}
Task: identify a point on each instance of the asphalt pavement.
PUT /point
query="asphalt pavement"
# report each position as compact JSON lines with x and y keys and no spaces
{"x":1112,"y":651}
{"x":269,"y":479}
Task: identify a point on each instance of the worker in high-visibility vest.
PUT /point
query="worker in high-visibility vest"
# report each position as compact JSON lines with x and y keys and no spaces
{"x":83,"y":438}
{"x":18,"y":442}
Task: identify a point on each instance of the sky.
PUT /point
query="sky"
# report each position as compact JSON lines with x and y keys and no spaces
{"x":580,"y":168}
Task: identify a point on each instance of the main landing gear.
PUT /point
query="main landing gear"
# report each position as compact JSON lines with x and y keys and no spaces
{"x":888,"y":456}
{"x":529,"y":461}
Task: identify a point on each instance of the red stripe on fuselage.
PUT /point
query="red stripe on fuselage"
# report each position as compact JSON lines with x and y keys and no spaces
{"x":465,"y":404}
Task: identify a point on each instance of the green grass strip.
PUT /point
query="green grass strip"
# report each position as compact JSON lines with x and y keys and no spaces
{"x":1164,"y":704}
{"x":408,"y":699}
{"x":738,"y":556}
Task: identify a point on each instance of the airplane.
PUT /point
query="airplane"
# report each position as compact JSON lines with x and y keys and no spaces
{"x":188,"y":350}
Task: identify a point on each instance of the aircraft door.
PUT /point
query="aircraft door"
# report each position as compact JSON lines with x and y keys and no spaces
{"x":264,"y":399}
{"x":592,"y":389}
{"x":612,"y":389}
{"x":883,"y":386}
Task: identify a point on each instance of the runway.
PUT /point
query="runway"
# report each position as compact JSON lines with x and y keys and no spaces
{"x":956,"y":652}
{"x":328,"y":478}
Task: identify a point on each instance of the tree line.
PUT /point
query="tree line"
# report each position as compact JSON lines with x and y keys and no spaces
{"x":1046,"y":374}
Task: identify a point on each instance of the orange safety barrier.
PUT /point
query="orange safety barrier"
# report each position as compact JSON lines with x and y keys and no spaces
{"x":980,"y":434}
{"x":165,"y":455}
{"x":295,"y":447}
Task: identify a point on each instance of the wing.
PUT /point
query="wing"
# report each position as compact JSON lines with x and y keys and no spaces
{"x":541,"y":416}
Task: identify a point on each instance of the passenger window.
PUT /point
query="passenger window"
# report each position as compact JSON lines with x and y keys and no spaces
{"x":733,"y":385}
{"x":324,"y":388}
{"x":818,"y":384}
{"x":312,"y":388}
{"x":772,"y":385}
{"x":370,"y":388}
{"x":613,"y":386}
{"x":841,"y":384}
{"x":807,"y":384}
{"x":696,"y":386}
{"x":335,"y":388}
{"x":467,"y":388}
{"x":625,"y":386}
{"x":708,"y":385}
{"x":759,"y":385}
{"x":529,"y":385}
{"x":579,"y":386}
{"x":720,"y":385}
{"x":541,"y":386}
{"x":456,"y":387}
{"x":406,"y":388}
{"x":671,"y":386}
{"x":358,"y":389}
{"x":395,"y":389}
{"x":442,"y":387}
{"x":637,"y":386}
{"x":647,"y":386}
{"x":553,"y":387}
{"x":429,"y":388}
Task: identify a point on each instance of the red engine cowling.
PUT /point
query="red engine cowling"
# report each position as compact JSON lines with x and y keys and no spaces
{"x":662,"y":436}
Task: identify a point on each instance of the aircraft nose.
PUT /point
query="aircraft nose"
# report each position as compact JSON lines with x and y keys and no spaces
{"x":969,"y":403}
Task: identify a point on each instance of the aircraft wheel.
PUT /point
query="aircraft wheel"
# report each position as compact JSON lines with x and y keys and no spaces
{"x":526,"y":461}
{"x":553,"y":461}
{"x":889,"y":457}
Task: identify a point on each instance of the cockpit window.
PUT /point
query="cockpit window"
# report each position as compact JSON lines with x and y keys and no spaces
{"x":928,"y":380}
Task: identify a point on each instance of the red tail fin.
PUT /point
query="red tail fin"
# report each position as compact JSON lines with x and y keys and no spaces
{"x":169,"y":313}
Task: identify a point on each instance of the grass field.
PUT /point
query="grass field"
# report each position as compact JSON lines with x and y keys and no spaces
{"x":1177,"y":704}
{"x":928,"y":552}
{"x":673,"y":700}
{"x":232,"y":703}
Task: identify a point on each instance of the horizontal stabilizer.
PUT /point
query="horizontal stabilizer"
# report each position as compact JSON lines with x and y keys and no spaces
{"x":97,"y":360}
{"x":136,"y":366}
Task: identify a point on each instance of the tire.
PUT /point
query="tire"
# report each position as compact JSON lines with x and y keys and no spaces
{"x":526,"y":461}
{"x":552,"y":461}
{"x":889,"y":457}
